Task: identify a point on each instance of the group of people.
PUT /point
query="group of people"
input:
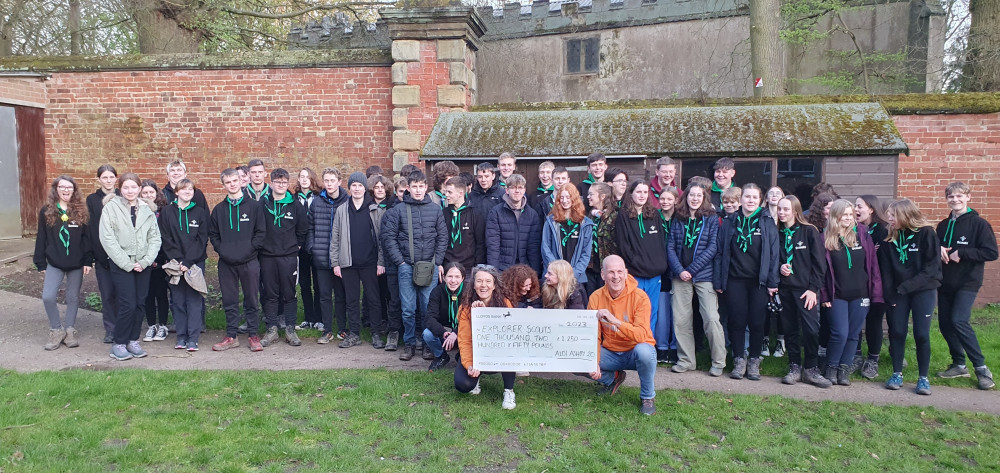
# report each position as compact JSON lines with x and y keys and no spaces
{"x":651,"y":258}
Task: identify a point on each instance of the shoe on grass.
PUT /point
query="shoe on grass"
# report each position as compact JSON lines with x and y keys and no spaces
{"x":476,"y":390}
{"x":56,"y":337}
{"x":508,"y":399}
{"x":954,"y":371}
{"x":923,"y":386}
{"x":765,"y":350}
{"x":616,"y":384}
{"x":70,"y":341}
{"x":270,"y":336}
{"x":135,"y":349}
{"x":779,"y":349}
{"x":304,"y":325}
{"x":894,"y":382}
{"x":869,"y":369}
{"x":150,"y":333}
{"x":226,"y":343}
{"x":648,"y":407}
{"x":352,"y":339}
{"x":319,"y":326}
{"x":291,"y":337}
{"x":739,"y":368}
{"x":325,"y":338}
{"x":161,"y":333}
{"x":120,"y":352}
{"x":440,"y":362}
{"x":812,"y":376}
{"x":254,"y":342}
{"x":392,"y":341}
{"x":985,"y":378}
{"x":857,"y":363}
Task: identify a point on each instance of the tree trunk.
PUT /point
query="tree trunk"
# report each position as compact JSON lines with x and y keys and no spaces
{"x":767,"y":58}
{"x":160,"y":27}
{"x":75,"y":39}
{"x":10,"y":14}
{"x":982,"y":60}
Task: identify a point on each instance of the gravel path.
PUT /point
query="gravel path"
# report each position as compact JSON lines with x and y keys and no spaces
{"x":23,"y":332}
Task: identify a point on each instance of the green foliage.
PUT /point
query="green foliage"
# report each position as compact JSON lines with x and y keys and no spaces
{"x":93,"y":300}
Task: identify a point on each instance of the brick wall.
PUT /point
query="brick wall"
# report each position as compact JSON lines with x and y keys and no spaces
{"x":213,"y":119}
{"x":946,"y":148}
{"x":28,"y":91}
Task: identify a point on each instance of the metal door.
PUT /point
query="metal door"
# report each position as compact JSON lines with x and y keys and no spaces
{"x":10,"y":197}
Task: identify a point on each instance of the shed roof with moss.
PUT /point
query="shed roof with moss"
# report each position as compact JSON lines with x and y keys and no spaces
{"x":765,"y":130}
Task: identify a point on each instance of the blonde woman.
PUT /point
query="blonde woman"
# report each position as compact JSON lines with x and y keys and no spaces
{"x":561,"y":289}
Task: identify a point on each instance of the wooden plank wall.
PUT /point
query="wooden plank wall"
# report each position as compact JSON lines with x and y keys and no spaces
{"x":852,"y":176}
{"x":31,"y":163}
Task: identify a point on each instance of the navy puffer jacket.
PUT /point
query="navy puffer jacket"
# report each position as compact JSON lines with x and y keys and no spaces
{"x":511,"y":240}
{"x":705,"y":252}
{"x":321,"y":212}
{"x":430,"y":235}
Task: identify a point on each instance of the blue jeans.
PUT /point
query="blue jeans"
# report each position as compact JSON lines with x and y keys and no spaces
{"x":434,"y":343}
{"x":651,"y":286}
{"x":663,"y":329}
{"x":642,"y":359}
{"x":846,"y":320}
{"x":409,"y":296}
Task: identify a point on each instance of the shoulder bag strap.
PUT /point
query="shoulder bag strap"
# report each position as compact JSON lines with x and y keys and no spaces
{"x":409,"y":228}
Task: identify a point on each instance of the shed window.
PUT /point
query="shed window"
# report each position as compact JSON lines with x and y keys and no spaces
{"x":793,"y":175}
{"x":583,"y":56}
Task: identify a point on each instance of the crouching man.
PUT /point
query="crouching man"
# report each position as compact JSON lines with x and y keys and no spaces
{"x":625,"y":335}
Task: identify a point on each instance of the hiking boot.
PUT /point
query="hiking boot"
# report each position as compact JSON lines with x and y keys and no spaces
{"x":391,"y":341}
{"x":226,"y":343}
{"x":869,"y":369}
{"x":857,"y":363}
{"x":954,"y":371}
{"x":476,"y":390}
{"x":985,"y":378}
{"x":923,"y":386}
{"x":894,"y":382}
{"x":440,"y":362}
{"x":291,"y":337}
{"x":377,"y":342}
{"x":350,"y":340}
{"x":715,"y":371}
{"x":109,"y":337}
{"x":428,"y":354}
{"x":779,"y":349}
{"x":254,"y":342}
{"x":739,"y":368}
{"x":120,"y":352}
{"x":508,"y":399}
{"x":70,"y":340}
{"x":161,"y":333}
{"x":136,"y":350}
{"x":325,"y":338}
{"x":243,"y":328}
{"x":794,"y":373}
{"x":844,"y":375}
{"x":270,"y":336}
{"x":150,"y":333}
{"x":407,"y":353}
{"x":753,"y":369}
{"x":831,"y":374}
{"x":812,"y":376}
{"x":648,"y":407}
{"x":614,"y":386}
{"x":56,"y":337}
{"x":765,"y":349}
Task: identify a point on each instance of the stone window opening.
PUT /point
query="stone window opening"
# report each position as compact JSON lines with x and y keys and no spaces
{"x":583,"y":55}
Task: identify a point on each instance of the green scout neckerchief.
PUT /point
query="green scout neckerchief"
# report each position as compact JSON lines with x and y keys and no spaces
{"x":902,"y":243}
{"x":692,"y":228}
{"x":63,"y":230}
{"x":789,"y":245}
{"x":567,"y":231}
{"x":279,"y":208}
{"x":744,"y":228}
{"x":456,"y":226}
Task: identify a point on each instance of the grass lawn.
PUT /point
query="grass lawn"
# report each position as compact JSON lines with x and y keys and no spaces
{"x":375,"y":420}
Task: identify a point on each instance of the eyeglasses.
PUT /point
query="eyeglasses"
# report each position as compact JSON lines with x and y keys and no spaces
{"x":65,"y":188}
{"x":487,"y":267}
{"x":279,"y":183}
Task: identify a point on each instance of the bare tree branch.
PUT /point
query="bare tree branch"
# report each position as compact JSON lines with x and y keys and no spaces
{"x":300,"y":12}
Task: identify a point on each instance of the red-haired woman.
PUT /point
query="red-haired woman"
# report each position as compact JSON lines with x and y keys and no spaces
{"x":519,"y":284}
{"x":568,"y":233}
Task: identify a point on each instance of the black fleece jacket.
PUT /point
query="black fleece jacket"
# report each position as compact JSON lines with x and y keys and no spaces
{"x":237,"y":230}
{"x":972,"y":237}
{"x":912,"y":264}
{"x":439,"y":317}
{"x":286,"y":226}
{"x":642,"y":244}
{"x":184,"y":233}
{"x":50,"y":250}
{"x":95,"y":206}
{"x":805,"y":245}
{"x":466,"y":236}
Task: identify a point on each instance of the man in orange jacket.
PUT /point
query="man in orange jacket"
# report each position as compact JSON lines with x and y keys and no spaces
{"x":623,"y":312}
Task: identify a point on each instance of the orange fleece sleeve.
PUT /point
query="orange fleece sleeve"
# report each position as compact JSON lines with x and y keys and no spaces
{"x":465,"y":335}
{"x":636,"y":328}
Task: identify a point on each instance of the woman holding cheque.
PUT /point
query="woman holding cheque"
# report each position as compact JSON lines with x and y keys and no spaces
{"x":485,"y":293}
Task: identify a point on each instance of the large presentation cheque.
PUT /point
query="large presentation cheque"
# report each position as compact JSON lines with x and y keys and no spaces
{"x":534,"y":340}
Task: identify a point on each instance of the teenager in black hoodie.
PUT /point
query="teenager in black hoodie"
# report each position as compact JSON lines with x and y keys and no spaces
{"x":803,"y":267}
{"x":912,"y":258}
{"x":466,"y":228}
{"x":107,"y":177}
{"x":967,"y":243}
{"x":184,"y":232}
{"x":62,"y":251}
{"x":286,"y":226}
{"x":236,"y":230}
{"x":486,"y":191}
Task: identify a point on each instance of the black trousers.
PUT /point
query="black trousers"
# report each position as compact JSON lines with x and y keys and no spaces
{"x":309,"y":287}
{"x":824,"y":326}
{"x":465,"y":383}
{"x":109,"y":296}
{"x":873,"y":330}
{"x":594,"y":281}
{"x":747,"y":306}
{"x":331,"y":291}
{"x":921,"y":304}
{"x":394,"y":312}
{"x":231,"y":280}
{"x":954,"y":311}
{"x":277,"y":275}
{"x":187,"y":305}
{"x":797,"y":321}
{"x":157,"y":301}
{"x":130,"y":291}
{"x":354,"y":279}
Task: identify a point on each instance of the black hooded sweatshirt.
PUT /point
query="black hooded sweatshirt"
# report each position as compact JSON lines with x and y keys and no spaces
{"x":65,"y":245}
{"x":973,"y":238}
{"x":95,"y":206}
{"x":804,"y":244}
{"x":184,"y":233}
{"x":466,"y":236}
{"x":484,"y":200}
{"x":237,"y":230}
{"x":286,"y":225}
{"x":642,"y":243}
{"x":912,"y":263}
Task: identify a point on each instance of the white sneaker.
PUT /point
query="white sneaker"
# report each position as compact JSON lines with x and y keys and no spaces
{"x":161,"y":333}
{"x":319,"y":326}
{"x":476,"y":389}
{"x":150,"y":333}
{"x":508,"y":399}
{"x":764,"y":350}
{"x":779,"y":350}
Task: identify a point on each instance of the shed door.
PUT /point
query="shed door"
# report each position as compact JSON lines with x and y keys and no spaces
{"x":10,"y":198}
